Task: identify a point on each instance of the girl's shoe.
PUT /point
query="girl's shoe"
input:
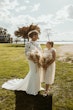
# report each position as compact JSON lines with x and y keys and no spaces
{"x":46,"y":93}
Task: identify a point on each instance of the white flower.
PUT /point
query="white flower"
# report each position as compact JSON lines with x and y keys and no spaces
{"x":47,"y":54}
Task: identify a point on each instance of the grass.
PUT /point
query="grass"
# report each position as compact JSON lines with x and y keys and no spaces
{"x":13,"y":64}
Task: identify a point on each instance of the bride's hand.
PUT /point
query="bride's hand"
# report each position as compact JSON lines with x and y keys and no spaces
{"x":35,"y":61}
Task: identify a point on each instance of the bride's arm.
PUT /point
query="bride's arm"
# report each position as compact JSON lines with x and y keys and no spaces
{"x":27,"y":50}
{"x":28,"y":53}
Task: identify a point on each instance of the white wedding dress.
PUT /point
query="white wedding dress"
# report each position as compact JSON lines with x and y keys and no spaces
{"x":31,"y":83}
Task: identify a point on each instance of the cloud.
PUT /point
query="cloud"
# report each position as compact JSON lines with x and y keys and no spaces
{"x":18,"y":19}
{"x":65,"y":14}
{"x":27,"y":1}
{"x":67,"y":36}
{"x":11,"y":16}
{"x":21,"y":8}
{"x":35,"y":7}
{"x":7,"y":4}
{"x":70,"y":12}
{"x":21,"y":20}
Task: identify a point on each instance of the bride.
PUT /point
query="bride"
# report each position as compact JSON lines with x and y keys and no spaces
{"x":31,"y":83}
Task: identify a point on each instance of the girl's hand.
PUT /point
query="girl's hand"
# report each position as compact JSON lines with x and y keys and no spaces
{"x":45,"y":66}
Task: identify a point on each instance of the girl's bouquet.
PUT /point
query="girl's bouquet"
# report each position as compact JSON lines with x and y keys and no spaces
{"x":45,"y":58}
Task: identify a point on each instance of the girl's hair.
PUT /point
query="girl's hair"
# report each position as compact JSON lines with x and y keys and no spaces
{"x":51,"y":43}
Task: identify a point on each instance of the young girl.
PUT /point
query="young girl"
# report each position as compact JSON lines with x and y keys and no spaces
{"x":49,"y":66}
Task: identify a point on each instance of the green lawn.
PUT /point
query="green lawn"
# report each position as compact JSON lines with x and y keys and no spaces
{"x":13,"y":64}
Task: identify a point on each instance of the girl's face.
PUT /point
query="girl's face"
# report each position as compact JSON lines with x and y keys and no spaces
{"x":48,"y":45}
{"x":35,"y":37}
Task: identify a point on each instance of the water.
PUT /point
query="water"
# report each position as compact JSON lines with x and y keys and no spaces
{"x":44,"y":42}
{"x":63,"y":42}
{"x":57,"y":42}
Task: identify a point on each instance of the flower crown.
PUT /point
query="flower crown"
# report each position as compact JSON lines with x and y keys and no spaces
{"x":32,"y":32}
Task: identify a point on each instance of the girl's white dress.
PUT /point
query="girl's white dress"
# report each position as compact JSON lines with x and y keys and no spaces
{"x":49,"y":74}
{"x":31,"y":83}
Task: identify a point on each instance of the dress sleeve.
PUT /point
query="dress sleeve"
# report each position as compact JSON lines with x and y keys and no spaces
{"x":39,"y":47}
{"x":53,"y":49}
{"x":27,"y":49}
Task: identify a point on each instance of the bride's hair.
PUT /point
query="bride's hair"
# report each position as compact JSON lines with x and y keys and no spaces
{"x":28,"y":31}
{"x":33,"y":30}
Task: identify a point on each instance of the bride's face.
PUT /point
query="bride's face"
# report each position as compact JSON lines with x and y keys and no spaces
{"x":35,"y":37}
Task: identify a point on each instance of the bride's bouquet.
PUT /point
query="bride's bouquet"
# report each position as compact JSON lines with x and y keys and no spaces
{"x":35,"y":56}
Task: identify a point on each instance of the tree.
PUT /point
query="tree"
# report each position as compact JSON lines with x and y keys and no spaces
{"x":4,"y":35}
{"x":23,"y":31}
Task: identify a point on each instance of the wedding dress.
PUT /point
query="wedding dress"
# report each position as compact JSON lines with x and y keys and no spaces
{"x":31,"y":83}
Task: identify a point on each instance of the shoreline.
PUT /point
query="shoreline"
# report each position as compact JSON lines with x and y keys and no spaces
{"x":64,"y":52}
{"x":64,"y":49}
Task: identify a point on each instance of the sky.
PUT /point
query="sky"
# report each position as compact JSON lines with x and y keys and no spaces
{"x":54,"y":17}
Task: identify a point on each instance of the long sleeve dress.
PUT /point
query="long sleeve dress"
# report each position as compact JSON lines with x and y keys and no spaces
{"x":31,"y":82}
